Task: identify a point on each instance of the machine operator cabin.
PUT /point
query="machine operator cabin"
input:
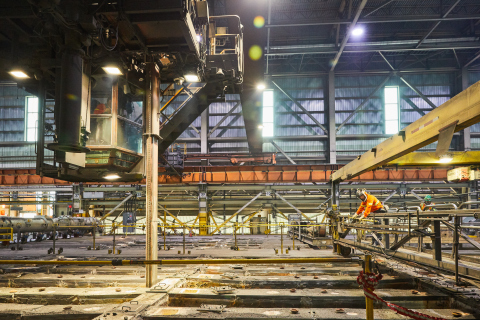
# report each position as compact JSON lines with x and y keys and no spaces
{"x":234,"y":159}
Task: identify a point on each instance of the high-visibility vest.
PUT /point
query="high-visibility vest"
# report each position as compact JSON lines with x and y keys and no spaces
{"x":371,"y":204}
{"x":423,"y":207}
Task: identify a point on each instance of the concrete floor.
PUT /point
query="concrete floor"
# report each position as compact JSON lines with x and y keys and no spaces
{"x":260,"y":291}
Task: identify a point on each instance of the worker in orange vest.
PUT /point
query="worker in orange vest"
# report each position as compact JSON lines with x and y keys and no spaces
{"x":428,"y":201}
{"x":369,"y":204}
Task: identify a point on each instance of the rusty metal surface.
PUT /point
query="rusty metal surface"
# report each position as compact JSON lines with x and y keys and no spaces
{"x":247,"y":174}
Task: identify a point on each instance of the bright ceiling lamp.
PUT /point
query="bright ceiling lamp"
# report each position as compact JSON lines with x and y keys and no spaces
{"x":446,"y":158}
{"x":113,"y":70}
{"x":111,"y":176}
{"x":19,"y":74}
{"x":261,"y":86}
{"x":191,"y":78}
{"x":358,"y":31}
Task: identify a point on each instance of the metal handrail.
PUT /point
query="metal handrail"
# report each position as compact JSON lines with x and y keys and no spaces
{"x":468,"y":203}
{"x":442,"y":205}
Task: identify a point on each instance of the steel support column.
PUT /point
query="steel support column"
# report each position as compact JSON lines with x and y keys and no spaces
{"x":467,"y":146}
{"x":204,"y":136}
{"x":152,"y":87}
{"x":332,"y":132}
{"x":437,"y":241}
{"x":41,"y":127}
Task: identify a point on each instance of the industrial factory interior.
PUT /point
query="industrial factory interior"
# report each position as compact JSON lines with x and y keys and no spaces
{"x":239,"y":159}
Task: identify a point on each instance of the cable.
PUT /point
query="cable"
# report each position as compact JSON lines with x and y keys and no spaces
{"x":102,"y":40}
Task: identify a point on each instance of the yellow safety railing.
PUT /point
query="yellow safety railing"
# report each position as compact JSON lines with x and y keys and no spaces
{"x":7,"y":234}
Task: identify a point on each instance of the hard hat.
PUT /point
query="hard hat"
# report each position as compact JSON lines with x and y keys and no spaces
{"x":361,"y":192}
{"x":428,"y":197}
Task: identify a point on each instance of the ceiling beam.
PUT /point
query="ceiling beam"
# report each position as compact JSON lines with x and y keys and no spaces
{"x":349,"y":33}
{"x":437,"y":24}
{"x":374,"y":20}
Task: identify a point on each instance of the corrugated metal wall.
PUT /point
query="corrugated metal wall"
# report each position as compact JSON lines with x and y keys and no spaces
{"x":290,"y":120}
{"x":362,"y":132}
{"x":12,"y":112}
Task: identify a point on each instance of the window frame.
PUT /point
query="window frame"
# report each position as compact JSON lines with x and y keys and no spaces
{"x":385,"y":106}
{"x":26,"y":126}
{"x":271,"y":110}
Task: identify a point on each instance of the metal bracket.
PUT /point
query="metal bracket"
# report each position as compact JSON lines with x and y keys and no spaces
{"x":445,"y":138}
{"x":223,"y":290}
{"x":155,"y":135}
{"x":211,"y":308}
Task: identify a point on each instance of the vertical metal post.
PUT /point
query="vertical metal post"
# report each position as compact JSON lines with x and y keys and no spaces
{"x":455,"y":243}
{"x":437,"y":241}
{"x":152,"y":129}
{"x":420,"y":239}
{"x":368,"y":302}
{"x":409,"y":224}
{"x":334,"y":202}
{"x":386,"y":236}
{"x":332,"y":132}
{"x":281,"y":238}
{"x":183,"y":239}
{"x":293,"y":237}
{"x":204,"y":136}
{"x":299,"y":231}
{"x":164,"y":230}
{"x":94,"y":231}
{"x":54,"y":237}
{"x":114,"y":232}
{"x":224,"y":215}
{"x":235,"y":234}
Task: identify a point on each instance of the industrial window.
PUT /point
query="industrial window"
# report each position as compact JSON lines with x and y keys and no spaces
{"x":392,"y":109}
{"x":268,"y":113}
{"x":31,"y":117}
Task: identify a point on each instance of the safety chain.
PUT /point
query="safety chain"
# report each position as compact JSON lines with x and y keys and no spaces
{"x":370,"y":280}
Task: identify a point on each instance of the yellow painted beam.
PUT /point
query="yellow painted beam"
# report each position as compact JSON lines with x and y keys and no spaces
{"x":172,"y":98}
{"x":463,"y":110}
{"x":463,"y":158}
{"x":213,"y":219}
{"x":248,"y":219}
{"x":175,"y":218}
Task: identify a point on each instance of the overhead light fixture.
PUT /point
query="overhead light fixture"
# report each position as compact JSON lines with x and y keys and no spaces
{"x":113,"y":70}
{"x":19,"y":74}
{"x":191,"y":78}
{"x":111,"y":176}
{"x":358,"y":31}
{"x":446,"y":158}
{"x":260,"y":126}
{"x":261,"y":86}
